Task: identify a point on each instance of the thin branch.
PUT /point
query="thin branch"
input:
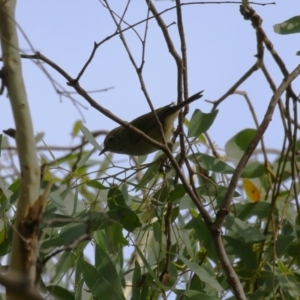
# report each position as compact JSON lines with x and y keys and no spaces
{"x":73,"y":83}
{"x":234,"y":87}
{"x":223,"y":211}
{"x":249,"y":14}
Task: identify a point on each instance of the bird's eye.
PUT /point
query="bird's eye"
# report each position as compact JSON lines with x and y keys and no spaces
{"x":111,"y":139}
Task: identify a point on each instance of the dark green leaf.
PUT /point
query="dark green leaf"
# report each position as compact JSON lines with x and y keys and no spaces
{"x":211,"y":163}
{"x":103,"y":282}
{"x":244,"y":229}
{"x":243,"y":251}
{"x":203,"y":235}
{"x":202,"y":273}
{"x":136,"y":281}
{"x":145,"y":284}
{"x":162,"y":195}
{"x":247,"y":210}
{"x":214,"y":192}
{"x":289,"y":26}
{"x":14,"y":187}
{"x":72,"y":232}
{"x":282,"y":245}
{"x":258,"y":295}
{"x":201,"y":122}
{"x":115,"y":198}
{"x":287,"y":229}
{"x":59,"y":292}
{"x":128,"y":218}
{"x":78,"y":289}
{"x":193,"y":295}
{"x":96,"y":184}
{"x":66,"y":261}
{"x":178,"y":192}
{"x":237,"y":145}
{"x":174,"y":214}
{"x":114,"y":235}
{"x":57,"y":220}
{"x":253,"y":170}
{"x":151,"y":173}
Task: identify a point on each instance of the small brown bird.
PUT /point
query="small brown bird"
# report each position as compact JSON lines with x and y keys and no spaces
{"x":124,"y":141}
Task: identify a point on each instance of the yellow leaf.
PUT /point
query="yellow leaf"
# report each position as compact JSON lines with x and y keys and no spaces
{"x":251,"y":190}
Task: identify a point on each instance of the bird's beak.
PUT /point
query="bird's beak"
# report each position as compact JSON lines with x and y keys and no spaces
{"x":102,"y":151}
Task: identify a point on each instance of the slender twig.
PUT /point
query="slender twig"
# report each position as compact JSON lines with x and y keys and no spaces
{"x":260,"y":131}
{"x":234,"y":87}
{"x":250,"y":14}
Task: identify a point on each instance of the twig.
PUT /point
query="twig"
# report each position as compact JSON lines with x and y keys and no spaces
{"x":234,"y":87}
{"x":260,"y":131}
{"x":256,"y":21}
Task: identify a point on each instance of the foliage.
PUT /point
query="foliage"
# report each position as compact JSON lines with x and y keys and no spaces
{"x":153,"y":227}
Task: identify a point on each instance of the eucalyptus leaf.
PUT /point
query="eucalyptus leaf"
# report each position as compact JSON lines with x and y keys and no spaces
{"x":201,"y":122}
{"x":289,"y":26}
{"x":211,"y":163}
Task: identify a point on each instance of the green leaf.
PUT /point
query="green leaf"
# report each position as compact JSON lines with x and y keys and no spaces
{"x":253,"y":170}
{"x":237,"y":145}
{"x":253,"y":296}
{"x":59,"y":292}
{"x":203,"y":235}
{"x":162,"y":195}
{"x":174,"y":214}
{"x":104,"y":281}
{"x":96,"y":184}
{"x":201,"y":122}
{"x":289,"y":26}
{"x":282,"y":244}
{"x":127,"y":218}
{"x":115,"y":198}
{"x":146,"y":264}
{"x":246,"y":231}
{"x":114,"y":235}
{"x":76,"y":128}
{"x":71,"y":233}
{"x":243,"y":251}
{"x":136,"y":279}
{"x":151,"y":173}
{"x":58,"y":202}
{"x":64,"y":263}
{"x":247,"y":210}
{"x":79,"y":288}
{"x":216,"y":192}
{"x":178,"y":192}
{"x":201,"y":273}
{"x":85,"y":157}
{"x":57,"y":220}
{"x":211,"y":163}
{"x":15,"y":185}
{"x":193,"y":295}
{"x":88,"y":135}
